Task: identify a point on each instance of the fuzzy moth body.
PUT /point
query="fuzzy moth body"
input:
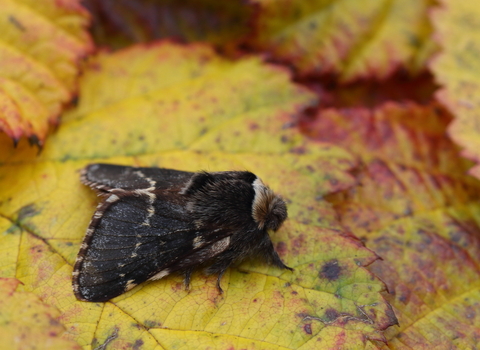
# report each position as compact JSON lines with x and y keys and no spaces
{"x":153,"y":222}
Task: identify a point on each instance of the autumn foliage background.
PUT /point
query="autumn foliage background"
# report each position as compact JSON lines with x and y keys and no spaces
{"x":364,"y":115}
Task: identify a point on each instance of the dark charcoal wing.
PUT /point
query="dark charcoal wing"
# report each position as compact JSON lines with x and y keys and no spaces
{"x":105,"y":177}
{"x":126,"y":244}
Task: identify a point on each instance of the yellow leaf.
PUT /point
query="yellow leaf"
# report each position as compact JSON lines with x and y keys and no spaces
{"x":40,"y":47}
{"x":457,"y":69}
{"x":367,"y":39}
{"x":184,"y":107}
{"x":10,"y":238}
{"x":416,"y":208}
{"x":27,"y":323}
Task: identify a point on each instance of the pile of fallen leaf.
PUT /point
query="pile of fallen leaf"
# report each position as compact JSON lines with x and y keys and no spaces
{"x":364,"y":116}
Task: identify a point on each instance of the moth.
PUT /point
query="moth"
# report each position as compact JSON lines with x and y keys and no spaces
{"x":152,"y":222}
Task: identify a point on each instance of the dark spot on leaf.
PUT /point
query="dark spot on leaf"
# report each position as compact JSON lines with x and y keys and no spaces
{"x":331,"y":270}
{"x":298,"y":150}
{"x":308,"y":328}
{"x":470,"y":313}
{"x":37,"y":248}
{"x":288,"y":125}
{"x":74,"y":101}
{"x":176,"y":287}
{"x":284,"y":139}
{"x":27,"y":211}
{"x":414,"y":40}
{"x":16,"y":23}
{"x":294,"y":292}
{"x":281,"y":248}
{"x":254,"y":126}
{"x":331,"y":314}
{"x":69,"y":244}
{"x":53,"y":322}
{"x":65,"y":158}
{"x":298,"y":242}
{"x":151,"y":324}
{"x":138,"y":344}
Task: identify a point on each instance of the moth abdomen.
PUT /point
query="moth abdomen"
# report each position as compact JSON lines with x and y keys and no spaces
{"x":153,"y":222}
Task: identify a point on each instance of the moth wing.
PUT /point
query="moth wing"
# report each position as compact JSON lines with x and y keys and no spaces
{"x":107,"y":177}
{"x":126,"y":245}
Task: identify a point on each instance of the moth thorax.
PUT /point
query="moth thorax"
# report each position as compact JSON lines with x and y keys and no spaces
{"x":268,"y":210}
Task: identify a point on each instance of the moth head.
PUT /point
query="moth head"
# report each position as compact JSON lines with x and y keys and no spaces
{"x":268,"y":210}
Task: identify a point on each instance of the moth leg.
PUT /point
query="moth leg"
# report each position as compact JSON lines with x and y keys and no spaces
{"x":187,"y":279}
{"x":272,"y":256}
{"x":219,"y":287}
{"x":219,"y":269}
{"x":275,"y":260}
